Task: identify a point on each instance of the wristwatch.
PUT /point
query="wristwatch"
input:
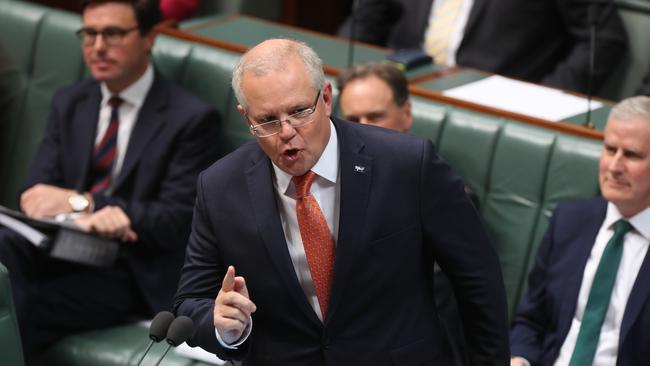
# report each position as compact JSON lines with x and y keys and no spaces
{"x":78,"y":202}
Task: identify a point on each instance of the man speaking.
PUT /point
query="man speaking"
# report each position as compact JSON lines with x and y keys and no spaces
{"x":315,"y":244}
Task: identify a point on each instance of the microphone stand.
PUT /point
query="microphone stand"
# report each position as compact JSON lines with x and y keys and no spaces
{"x":145,"y":352}
{"x":592,"y":56}
{"x":355,"y":5}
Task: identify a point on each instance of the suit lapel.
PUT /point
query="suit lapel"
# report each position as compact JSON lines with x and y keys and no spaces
{"x":150,"y":119}
{"x":85,"y":130}
{"x":267,"y":218}
{"x":583,"y":246}
{"x":356,"y":175}
{"x":638,"y":296}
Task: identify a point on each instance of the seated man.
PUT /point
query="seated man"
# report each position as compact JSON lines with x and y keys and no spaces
{"x":540,"y":41}
{"x":122,"y":150}
{"x":588,"y":292}
{"x":377,"y":94}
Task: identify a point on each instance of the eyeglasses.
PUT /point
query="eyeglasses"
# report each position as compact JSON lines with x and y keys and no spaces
{"x":295,"y":120}
{"x":112,"y":36}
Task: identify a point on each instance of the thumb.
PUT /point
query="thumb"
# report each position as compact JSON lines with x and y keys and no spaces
{"x":229,"y":280}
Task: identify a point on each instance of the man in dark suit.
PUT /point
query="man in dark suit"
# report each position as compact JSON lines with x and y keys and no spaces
{"x":124,"y":170}
{"x":333,"y":228}
{"x":540,"y":41}
{"x":587,"y":299}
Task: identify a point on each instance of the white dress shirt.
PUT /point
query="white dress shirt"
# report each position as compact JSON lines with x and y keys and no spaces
{"x":133,"y":98}
{"x":635,"y":248}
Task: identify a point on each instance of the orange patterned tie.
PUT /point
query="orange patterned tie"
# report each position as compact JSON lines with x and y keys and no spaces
{"x":316,"y":239}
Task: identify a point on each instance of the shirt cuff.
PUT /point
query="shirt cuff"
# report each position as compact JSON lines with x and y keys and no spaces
{"x":242,"y":339}
{"x":522,"y":360}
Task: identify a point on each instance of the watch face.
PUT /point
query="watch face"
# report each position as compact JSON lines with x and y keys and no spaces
{"x":78,"y":202}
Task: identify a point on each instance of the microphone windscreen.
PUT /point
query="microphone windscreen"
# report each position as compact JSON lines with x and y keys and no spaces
{"x":180,"y":330}
{"x":160,"y":325}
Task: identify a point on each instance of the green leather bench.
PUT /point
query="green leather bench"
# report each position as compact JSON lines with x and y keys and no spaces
{"x":11,"y":353}
{"x":519,"y":172}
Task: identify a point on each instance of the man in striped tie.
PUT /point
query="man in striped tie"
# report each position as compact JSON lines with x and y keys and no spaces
{"x":588,"y":299}
{"x":120,"y":157}
{"x":543,"y":41}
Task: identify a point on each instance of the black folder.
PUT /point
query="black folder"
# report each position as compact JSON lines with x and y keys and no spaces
{"x":63,"y":240}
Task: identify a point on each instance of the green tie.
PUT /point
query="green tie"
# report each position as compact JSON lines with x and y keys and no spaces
{"x":599,"y":296}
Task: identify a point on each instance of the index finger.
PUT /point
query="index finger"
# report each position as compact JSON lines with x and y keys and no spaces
{"x":229,"y":280}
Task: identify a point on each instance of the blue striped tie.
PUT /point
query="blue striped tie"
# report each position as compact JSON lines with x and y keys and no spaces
{"x":106,"y":150}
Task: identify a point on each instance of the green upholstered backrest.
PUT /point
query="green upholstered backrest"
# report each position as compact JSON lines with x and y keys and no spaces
{"x":42,"y":45}
{"x":519,"y":173}
{"x":11,"y":353}
{"x":206,"y":72}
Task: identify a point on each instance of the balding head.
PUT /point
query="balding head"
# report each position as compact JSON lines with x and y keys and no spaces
{"x":271,"y":56}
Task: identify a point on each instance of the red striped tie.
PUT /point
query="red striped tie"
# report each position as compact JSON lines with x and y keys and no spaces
{"x":106,"y":150}
{"x":316,"y":239}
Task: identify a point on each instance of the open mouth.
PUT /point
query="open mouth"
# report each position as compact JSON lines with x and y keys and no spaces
{"x":291,"y":154}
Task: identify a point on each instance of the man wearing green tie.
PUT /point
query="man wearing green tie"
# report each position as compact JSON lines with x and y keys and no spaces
{"x":587,"y":299}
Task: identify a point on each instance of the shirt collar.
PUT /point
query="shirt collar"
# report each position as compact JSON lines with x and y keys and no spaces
{"x":135,"y":93}
{"x":326,"y":167}
{"x":640,"y":221}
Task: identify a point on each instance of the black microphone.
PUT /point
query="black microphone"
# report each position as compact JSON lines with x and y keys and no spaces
{"x":158,"y":330}
{"x":179,"y":331}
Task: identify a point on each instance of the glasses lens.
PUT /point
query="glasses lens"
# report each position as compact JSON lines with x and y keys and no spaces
{"x":267,"y":129}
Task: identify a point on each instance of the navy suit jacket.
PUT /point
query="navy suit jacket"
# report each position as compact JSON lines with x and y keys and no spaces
{"x":544,"y":41}
{"x":174,"y":138}
{"x":544,"y":315}
{"x":401,"y":208}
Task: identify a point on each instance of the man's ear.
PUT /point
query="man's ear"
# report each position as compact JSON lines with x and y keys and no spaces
{"x":328,"y":98}
{"x":408,"y":116}
{"x":241,"y":110}
{"x":150,"y":39}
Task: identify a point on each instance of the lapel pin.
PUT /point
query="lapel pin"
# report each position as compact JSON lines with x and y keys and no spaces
{"x":359,"y":169}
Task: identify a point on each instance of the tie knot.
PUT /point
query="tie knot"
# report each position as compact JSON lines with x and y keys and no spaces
{"x":621,"y":227}
{"x":303,"y":183}
{"x":115,"y":101}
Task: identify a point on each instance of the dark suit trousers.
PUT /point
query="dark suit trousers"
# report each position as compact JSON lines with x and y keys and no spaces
{"x":54,"y":298}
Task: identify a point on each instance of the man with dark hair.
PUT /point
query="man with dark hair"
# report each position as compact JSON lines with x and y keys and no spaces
{"x":376,"y":94}
{"x":588,"y":297}
{"x":119,"y":157}
{"x":545,"y":42}
{"x":293,"y":259}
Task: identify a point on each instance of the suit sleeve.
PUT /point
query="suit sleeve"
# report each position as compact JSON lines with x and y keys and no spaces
{"x":572,"y":72}
{"x":532,"y":319}
{"x":165,"y":220}
{"x":46,"y":167}
{"x":200,"y":282}
{"x":463,"y":251}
